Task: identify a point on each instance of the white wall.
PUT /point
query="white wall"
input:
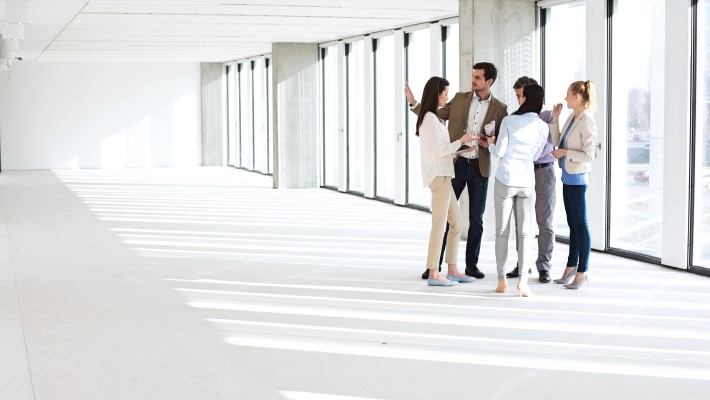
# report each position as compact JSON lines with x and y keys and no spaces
{"x":95,"y":115}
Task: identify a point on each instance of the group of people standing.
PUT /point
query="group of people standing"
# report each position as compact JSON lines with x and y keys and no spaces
{"x":527,"y":142}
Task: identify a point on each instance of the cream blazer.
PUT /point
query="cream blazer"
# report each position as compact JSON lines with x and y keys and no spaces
{"x":581,"y":142}
{"x":437,"y":151}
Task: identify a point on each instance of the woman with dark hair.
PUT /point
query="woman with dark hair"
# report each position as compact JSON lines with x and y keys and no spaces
{"x":521,"y":140}
{"x":437,"y":154}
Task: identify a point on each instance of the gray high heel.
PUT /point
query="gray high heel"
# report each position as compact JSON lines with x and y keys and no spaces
{"x":566,"y":278}
{"x":579,"y":284}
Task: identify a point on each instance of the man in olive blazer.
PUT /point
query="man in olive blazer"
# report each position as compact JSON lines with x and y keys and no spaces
{"x":472,"y":170}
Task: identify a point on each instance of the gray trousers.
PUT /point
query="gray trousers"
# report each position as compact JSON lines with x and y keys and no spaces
{"x":505,"y":200}
{"x":545,"y":200}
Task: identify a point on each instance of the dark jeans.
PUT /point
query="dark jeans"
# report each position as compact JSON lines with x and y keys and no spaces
{"x":580,"y":245}
{"x":468,"y":174}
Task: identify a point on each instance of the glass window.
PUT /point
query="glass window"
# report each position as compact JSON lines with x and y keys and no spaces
{"x":330,"y":115}
{"x":451,"y":59}
{"x":356,"y":134}
{"x":565,"y":61}
{"x":260,"y":128}
{"x":232,"y":120}
{"x":701,"y":225}
{"x":245,"y":115}
{"x":418,"y":73}
{"x":637,"y":117}
{"x":269,"y":118}
{"x":384,"y":120}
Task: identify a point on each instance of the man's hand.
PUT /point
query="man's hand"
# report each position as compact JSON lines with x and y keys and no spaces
{"x":486,"y":141}
{"x":408,"y":92}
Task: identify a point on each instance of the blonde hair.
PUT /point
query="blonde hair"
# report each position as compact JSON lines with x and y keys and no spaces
{"x":588,"y":91}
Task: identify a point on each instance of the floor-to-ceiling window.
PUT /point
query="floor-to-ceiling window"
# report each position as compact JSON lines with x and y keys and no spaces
{"x":385,"y":136}
{"x":232,"y":116}
{"x":269,"y":117}
{"x":245,"y":101}
{"x":259,"y":102}
{"x":329,"y":63}
{"x":366,"y":127}
{"x":249,"y":130}
{"x":637,"y":118}
{"x":418,"y":73}
{"x":564,"y":63}
{"x":701,"y":211}
{"x":356,"y":126}
{"x":451,"y":59}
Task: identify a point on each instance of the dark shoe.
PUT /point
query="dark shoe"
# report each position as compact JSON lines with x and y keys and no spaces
{"x":425,"y":275}
{"x":516,"y":273}
{"x":545,"y":276}
{"x":474,"y":272}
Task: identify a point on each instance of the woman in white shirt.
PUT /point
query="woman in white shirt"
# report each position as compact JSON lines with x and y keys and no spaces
{"x":521,"y":140}
{"x":437,"y":156}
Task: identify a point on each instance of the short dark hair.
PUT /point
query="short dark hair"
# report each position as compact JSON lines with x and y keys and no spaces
{"x":524,"y":81}
{"x":430,"y":98}
{"x":489,"y":70}
{"x":534,"y":97}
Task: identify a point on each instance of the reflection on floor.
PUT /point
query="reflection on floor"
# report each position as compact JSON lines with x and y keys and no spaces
{"x":205,"y":283}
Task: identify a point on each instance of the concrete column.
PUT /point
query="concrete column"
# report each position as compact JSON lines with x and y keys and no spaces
{"x":214,"y":118}
{"x":295,"y":93}
{"x":501,"y":32}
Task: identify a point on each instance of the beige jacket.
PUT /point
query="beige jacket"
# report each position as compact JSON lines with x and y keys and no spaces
{"x":456,"y":112}
{"x":581,"y":142}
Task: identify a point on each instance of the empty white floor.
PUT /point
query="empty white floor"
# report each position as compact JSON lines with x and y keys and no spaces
{"x":205,"y":283}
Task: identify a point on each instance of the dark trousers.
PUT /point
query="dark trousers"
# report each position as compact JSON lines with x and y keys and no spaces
{"x":468,"y":174}
{"x":580,"y":244}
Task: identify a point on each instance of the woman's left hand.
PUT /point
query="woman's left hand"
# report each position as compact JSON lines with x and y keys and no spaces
{"x":559,"y":153}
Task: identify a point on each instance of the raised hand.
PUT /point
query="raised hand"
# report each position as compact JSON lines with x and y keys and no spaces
{"x":556,"y":110}
{"x":408,"y":93}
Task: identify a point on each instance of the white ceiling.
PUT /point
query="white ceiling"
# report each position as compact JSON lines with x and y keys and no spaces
{"x":205,"y":30}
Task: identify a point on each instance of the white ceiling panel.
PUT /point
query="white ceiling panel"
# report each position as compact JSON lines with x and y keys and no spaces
{"x":147,"y":21}
{"x":206,"y":30}
{"x":354,"y":11}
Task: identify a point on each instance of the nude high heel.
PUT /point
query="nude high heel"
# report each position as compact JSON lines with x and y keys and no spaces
{"x":577,"y":285}
{"x":524,"y":290}
{"x":502,"y":285}
{"x":567,"y":278}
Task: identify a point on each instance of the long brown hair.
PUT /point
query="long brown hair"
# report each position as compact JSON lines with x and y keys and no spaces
{"x":430,"y":98}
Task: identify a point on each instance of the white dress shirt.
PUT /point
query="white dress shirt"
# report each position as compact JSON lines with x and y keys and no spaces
{"x":520,"y":142}
{"x":476,"y":114}
{"x":437,"y":152}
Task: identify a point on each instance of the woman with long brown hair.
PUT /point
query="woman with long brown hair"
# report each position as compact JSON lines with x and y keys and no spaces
{"x":437,"y":156}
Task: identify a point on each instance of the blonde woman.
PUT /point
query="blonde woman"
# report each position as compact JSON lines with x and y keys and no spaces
{"x":437,"y":156}
{"x":576,"y":143}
